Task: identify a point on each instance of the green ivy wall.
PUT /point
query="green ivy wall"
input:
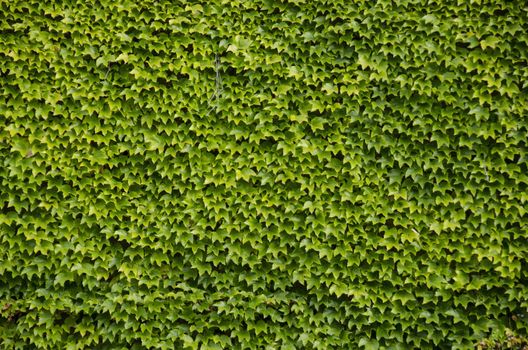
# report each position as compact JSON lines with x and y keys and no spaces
{"x":262,"y":174}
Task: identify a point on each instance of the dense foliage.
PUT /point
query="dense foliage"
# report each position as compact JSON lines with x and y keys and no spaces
{"x":262,"y":174}
{"x":504,"y":341}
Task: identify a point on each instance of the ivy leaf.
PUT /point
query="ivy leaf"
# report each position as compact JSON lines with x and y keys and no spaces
{"x":317,"y":123}
{"x":368,"y":344}
{"x":490,"y":41}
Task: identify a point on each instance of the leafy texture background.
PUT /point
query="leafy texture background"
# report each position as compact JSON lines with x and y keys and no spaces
{"x":262,"y":174}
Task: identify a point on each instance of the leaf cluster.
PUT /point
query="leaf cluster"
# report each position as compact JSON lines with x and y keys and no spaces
{"x":262,"y":174}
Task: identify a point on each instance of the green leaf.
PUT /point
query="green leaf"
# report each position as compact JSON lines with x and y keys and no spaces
{"x":368,"y":344}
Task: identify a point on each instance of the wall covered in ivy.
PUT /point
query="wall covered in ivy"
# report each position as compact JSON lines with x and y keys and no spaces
{"x":262,"y":174}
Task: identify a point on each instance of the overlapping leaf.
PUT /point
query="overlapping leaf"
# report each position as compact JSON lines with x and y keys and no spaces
{"x":262,"y":174}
